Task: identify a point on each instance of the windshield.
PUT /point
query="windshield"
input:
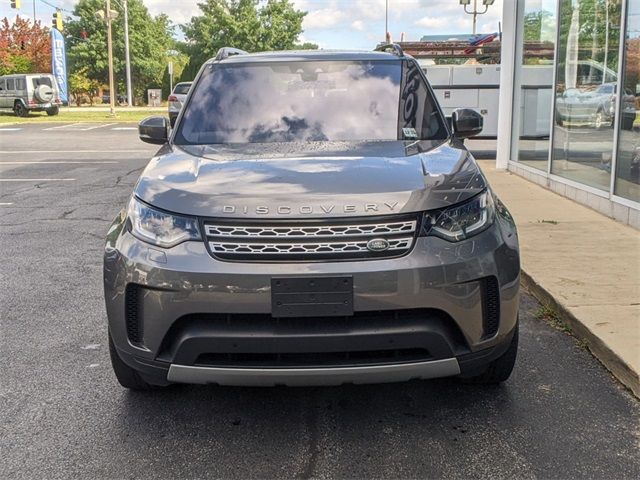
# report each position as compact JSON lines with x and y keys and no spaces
{"x":310,"y":101}
{"x":182,"y":88}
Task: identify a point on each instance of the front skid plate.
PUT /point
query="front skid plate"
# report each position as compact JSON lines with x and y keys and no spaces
{"x":300,"y":377}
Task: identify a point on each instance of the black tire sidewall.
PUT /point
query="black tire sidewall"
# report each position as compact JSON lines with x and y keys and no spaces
{"x":20,"y":110}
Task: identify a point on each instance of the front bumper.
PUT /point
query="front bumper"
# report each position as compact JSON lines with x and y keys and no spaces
{"x":202,"y":320}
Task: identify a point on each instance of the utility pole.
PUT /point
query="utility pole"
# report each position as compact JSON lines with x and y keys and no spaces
{"x":112,"y":91}
{"x":126,"y":52}
{"x":34,"y":11}
{"x":475,"y":15}
{"x":386,"y":20}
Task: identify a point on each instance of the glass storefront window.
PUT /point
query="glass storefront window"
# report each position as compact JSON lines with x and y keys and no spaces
{"x":534,"y":89}
{"x":586,"y":84}
{"x":627,"y":181}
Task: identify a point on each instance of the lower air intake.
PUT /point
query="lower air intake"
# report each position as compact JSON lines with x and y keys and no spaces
{"x":133,"y":314}
{"x":490,"y":306}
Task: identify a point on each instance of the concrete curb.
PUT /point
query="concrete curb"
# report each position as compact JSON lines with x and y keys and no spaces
{"x":611,"y":361}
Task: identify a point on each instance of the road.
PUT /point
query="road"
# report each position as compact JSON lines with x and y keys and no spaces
{"x":62,"y":414}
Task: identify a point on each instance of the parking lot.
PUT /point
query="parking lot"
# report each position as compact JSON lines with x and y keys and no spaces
{"x":63,"y":415}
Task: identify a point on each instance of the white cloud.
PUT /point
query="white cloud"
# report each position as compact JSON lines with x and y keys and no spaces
{"x":178,"y":11}
{"x":323,"y":18}
{"x":358,"y":25}
{"x":431,"y":22}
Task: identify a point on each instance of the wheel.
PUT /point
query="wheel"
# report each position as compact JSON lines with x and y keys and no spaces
{"x":500,"y":369}
{"x":53,"y":111}
{"x":20,"y":110}
{"x":127,"y":376}
{"x":599,"y":120}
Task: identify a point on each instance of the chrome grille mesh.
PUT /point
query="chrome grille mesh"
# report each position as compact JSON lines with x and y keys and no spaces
{"x":301,"y":231}
{"x":308,"y":240}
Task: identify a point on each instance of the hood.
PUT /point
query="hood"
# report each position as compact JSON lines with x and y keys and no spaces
{"x":314,"y":179}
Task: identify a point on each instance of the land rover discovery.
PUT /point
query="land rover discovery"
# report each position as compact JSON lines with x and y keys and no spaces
{"x":312,"y":219}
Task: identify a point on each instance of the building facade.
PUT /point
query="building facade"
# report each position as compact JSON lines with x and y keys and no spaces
{"x":574,"y":121}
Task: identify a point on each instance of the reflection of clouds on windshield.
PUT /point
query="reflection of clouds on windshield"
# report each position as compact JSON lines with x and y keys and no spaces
{"x":258,"y":104}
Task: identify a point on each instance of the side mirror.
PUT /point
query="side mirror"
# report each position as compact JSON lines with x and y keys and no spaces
{"x":466,"y":123}
{"x":154,"y":130}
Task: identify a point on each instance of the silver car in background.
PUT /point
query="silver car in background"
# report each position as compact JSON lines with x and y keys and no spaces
{"x":32,"y":92}
{"x":312,"y":219}
{"x":177,"y":99}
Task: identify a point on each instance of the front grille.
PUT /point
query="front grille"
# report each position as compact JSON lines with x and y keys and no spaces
{"x":344,"y":239}
{"x":490,"y":306}
{"x":133,"y":314}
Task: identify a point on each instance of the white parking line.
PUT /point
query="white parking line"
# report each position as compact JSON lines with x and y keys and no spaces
{"x":6,"y":204}
{"x":36,"y":179}
{"x":58,"y":127}
{"x":97,"y":126}
{"x":55,"y":163}
{"x":79,"y":126}
{"x":124,"y":128}
{"x":22,"y":152}
{"x":9,"y":129}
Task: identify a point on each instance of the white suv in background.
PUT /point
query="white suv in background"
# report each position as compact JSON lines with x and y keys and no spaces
{"x":176,"y":100}
{"x":24,"y":93}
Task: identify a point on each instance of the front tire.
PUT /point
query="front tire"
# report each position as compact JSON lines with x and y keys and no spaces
{"x":599,"y":120}
{"x":127,"y":376}
{"x":500,"y":369}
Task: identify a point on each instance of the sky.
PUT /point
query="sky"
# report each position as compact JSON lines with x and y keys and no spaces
{"x":332,"y":24}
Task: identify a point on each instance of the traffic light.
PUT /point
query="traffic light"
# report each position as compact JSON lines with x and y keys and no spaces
{"x":15,"y":3}
{"x":57,"y":21}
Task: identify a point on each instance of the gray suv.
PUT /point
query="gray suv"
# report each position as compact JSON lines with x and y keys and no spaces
{"x":312,"y":219}
{"x":34,"y":92}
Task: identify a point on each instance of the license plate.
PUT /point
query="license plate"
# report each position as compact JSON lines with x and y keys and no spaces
{"x":311,"y":297}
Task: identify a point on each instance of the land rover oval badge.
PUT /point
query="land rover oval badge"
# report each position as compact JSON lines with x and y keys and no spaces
{"x":377,"y":245}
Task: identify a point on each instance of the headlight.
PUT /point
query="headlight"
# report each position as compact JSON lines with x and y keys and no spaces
{"x":160,"y":228}
{"x":461,"y":221}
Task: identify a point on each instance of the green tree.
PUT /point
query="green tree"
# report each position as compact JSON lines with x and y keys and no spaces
{"x":246,"y":24}
{"x":150,"y":38}
{"x":81,"y":85}
{"x":598,"y":33}
{"x":180,"y":61}
{"x":539,"y":26}
{"x":305,"y":46}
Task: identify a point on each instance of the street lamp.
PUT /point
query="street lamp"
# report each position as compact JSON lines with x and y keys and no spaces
{"x":108,"y":15}
{"x":475,"y":12}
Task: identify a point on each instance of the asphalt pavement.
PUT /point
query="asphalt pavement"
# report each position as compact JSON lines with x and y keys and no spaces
{"x":63,"y":415}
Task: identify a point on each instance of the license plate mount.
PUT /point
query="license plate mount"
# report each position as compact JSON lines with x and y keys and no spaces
{"x":312,"y":296}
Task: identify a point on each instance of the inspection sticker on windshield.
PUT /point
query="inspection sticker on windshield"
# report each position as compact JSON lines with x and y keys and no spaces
{"x":409,"y":133}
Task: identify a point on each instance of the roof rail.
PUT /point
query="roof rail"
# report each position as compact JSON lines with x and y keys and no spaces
{"x":226,"y":52}
{"x":390,"y":48}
